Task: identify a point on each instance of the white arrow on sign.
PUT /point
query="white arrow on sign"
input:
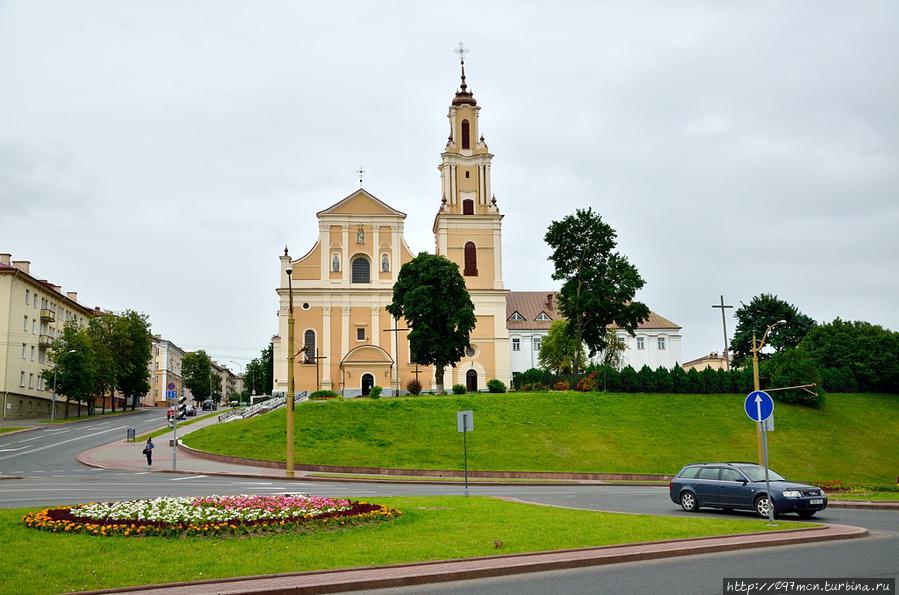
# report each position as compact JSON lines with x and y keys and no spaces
{"x":758,"y":407}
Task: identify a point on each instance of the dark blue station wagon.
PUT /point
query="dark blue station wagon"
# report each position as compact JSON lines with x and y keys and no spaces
{"x":742,"y":486}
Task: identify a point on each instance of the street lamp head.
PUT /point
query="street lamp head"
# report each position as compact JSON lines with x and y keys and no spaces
{"x":289,"y":272}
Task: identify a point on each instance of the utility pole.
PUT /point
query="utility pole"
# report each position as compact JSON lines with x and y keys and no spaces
{"x":289,"y":465}
{"x":722,"y":306}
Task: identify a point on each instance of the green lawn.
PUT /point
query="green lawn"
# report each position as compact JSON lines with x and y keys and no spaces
{"x":432,"y":528}
{"x":852,"y":438}
{"x":9,"y":429}
{"x":865,"y":496}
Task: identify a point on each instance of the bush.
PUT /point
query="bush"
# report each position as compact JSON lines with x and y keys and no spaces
{"x":323,"y":394}
{"x":628,"y":381}
{"x":414,"y":387}
{"x":458,"y":389}
{"x":663,"y":380}
{"x":496,"y":385}
{"x":533,"y":377}
{"x":793,"y":367}
{"x":562,"y":385}
{"x":375,"y":392}
{"x":587,"y":383}
{"x":646,"y":379}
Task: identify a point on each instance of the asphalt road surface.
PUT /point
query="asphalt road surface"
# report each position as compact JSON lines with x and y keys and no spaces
{"x":45,"y":458}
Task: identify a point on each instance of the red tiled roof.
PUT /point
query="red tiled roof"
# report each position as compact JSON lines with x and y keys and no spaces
{"x":530,"y":303}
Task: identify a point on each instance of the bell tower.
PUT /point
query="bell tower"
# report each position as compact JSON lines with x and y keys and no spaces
{"x":467,"y":228}
{"x":468,"y":231}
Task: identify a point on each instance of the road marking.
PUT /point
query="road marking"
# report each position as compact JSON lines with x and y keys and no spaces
{"x":255,"y":483}
{"x":12,"y":449}
{"x":188,"y":477}
{"x":141,"y":472}
{"x":55,"y":444}
{"x":29,"y":439}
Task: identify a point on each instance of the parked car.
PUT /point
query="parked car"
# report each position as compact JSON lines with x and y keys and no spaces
{"x":191,"y":410}
{"x":742,"y":486}
{"x":210,"y":405}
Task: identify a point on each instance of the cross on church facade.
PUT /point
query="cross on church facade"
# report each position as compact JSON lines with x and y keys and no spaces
{"x":396,"y":330}
{"x":722,"y":306}
{"x":314,"y":359}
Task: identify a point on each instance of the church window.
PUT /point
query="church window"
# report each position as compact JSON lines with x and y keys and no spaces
{"x":360,"y":333}
{"x":468,"y":207}
{"x":385,"y":263}
{"x":467,"y":174}
{"x":640,"y":345}
{"x":466,"y":141}
{"x":543,"y":316}
{"x":516,"y":344}
{"x":661,"y":343}
{"x":309,"y":343}
{"x":361,"y":270}
{"x":471,"y":260}
{"x":335,"y":263}
{"x":516,"y":316}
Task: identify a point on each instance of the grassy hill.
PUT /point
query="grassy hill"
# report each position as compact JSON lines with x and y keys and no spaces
{"x":852,"y":438}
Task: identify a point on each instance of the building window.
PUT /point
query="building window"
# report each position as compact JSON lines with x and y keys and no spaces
{"x":468,"y":207}
{"x":34,"y":300}
{"x":32,"y":353}
{"x":385,"y":263}
{"x":467,"y":174}
{"x":34,"y":326}
{"x":22,"y":379}
{"x":516,"y":316}
{"x":27,"y":296}
{"x":309,"y":343}
{"x":537,"y":343}
{"x":471,"y":260}
{"x":335,"y":263}
{"x":516,"y":344}
{"x":543,"y":316}
{"x":360,"y":333}
{"x":23,"y":351}
{"x":25,"y":326}
{"x":466,"y":141}
{"x":640,"y":345}
{"x":31,"y":381}
{"x":361,"y":270}
{"x":661,"y":343}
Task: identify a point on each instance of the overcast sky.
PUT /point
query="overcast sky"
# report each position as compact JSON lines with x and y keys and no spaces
{"x":159,"y":155}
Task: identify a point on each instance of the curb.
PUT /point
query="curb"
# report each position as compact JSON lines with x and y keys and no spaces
{"x":374,"y":577}
{"x":863,"y":505}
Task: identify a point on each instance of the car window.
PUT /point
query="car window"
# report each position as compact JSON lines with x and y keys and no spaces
{"x":689,"y":472}
{"x":757,"y":473}
{"x":731,"y":475}
{"x":708,"y":473}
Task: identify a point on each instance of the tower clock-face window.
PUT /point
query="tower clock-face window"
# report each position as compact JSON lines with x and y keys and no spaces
{"x":468,"y":207}
{"x":361,"y":270}
{"x":471,"y":260}
{"x":466,"y":137}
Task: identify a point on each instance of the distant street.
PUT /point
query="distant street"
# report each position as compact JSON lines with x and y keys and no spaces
{"x":45,"y":458}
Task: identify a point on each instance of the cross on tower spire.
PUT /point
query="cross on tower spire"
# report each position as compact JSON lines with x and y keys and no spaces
{"x":463,"y":96}
{"x":361,"y":173}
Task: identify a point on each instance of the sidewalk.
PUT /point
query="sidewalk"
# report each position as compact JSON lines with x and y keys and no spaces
{"x":354,"y":579}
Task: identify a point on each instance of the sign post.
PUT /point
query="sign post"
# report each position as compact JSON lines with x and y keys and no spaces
{"x":759,"y":407}
{"x":465,"y":424}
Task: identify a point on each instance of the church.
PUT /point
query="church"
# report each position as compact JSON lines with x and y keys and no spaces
{"x":344,"y":338}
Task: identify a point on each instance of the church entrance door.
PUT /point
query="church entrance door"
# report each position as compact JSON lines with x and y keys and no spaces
{"x":471,"y":381}
{"x":368,"y":381}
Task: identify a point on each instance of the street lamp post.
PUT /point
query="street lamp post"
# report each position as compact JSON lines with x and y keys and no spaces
{"x":288,"y":472}
{"x":756,"y":347}
{"x":53,"y":408}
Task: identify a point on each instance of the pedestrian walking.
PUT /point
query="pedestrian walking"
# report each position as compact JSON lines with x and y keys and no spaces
{"x":148,"y":451}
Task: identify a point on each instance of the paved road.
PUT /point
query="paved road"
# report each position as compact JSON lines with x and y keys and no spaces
{"x":46,"y":460}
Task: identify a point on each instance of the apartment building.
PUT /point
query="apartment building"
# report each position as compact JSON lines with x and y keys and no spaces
{"x":165,"y":369}
{"x":33,"y":312}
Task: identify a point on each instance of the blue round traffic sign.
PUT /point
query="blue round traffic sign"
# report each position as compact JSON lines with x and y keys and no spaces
{"x":758,"y":405}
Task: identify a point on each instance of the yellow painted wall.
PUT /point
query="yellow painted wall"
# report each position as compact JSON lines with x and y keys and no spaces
{"x":309,"y":267}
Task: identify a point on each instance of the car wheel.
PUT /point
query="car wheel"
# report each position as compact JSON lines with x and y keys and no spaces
{"x":688,"y":502}
{"x":807,"y":514}
{"x":761,"y":506}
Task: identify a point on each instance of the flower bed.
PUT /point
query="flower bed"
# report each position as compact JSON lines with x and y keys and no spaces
{"x":208,"y":515}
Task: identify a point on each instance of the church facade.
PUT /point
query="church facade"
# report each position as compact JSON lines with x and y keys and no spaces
{"x":344,"y":338}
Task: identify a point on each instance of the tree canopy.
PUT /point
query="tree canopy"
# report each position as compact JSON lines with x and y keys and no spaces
{"x":74,"y":372}
{"x":258,"y":374}
{"x":431,"y":295}
{"x":558,"y":349}
{"x":599,"y":283}
{"x":198,"y":375}
{"x":754,"y":317}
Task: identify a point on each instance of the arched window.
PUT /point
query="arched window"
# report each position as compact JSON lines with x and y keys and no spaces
{"x":471,"y":260}
{"x":335,"y":263}
{"x":309,"y":343}
{"x":466,"y":142}
{"x":385,"y":263}
{"x":468,"y":207}
{"x":361,"y":270}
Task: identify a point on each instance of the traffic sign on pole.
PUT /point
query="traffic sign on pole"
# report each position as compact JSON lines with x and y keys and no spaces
{"x":171,"y":386}
{"x":758,"y":405}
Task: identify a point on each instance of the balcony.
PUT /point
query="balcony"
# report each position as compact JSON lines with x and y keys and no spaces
{"x":48,"y":315}
{"x":44,"y":341}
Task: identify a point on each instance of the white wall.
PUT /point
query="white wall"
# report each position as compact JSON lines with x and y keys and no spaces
{"x":651,"y":355}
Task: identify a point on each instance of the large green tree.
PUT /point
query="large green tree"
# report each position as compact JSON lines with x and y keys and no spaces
{"x":870,"y":351}
{"x":73,"y":373}
{"x":135,"y":347}
{"x":259,"y":373}
{"x":198,"y":375}
{"x":599,"y":283}
{"x":102,"y":332}
{"x":431,"y":295}
{"x":763,"y":310}
{"x":558,"y":349}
